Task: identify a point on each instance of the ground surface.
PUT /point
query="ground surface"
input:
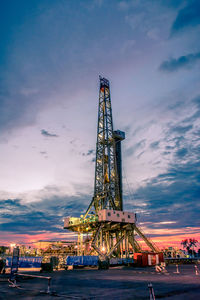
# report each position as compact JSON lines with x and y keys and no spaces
{"x":115,"y":283}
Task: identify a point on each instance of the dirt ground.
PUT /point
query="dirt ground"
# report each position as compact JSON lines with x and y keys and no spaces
{"x":115,"y":283}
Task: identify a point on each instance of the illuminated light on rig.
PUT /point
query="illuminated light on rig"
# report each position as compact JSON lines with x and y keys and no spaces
{"x":103,"y":249}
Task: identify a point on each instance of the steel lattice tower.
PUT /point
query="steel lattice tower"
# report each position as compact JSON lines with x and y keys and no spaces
{"x":106,"y":188}
{"x":108,"y":177}
{"x":112,"y":230}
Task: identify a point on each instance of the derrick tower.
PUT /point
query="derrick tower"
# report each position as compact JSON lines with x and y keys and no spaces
{"x":108,"y":179}
{"x":113,"y":231}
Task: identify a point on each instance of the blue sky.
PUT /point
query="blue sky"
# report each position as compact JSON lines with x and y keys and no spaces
{"x":51,"y":54}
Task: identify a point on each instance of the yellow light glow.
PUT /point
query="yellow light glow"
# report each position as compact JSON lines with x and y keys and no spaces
{"x":103,"y":249}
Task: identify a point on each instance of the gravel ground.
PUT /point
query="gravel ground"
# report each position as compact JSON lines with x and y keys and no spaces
{"x":115,"y":283}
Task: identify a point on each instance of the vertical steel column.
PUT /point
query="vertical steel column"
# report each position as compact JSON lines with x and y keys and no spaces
{"x":119,"y":136}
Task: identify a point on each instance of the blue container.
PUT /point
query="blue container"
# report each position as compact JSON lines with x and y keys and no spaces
{"x":82,"y":260}
{"x":26,"y":262}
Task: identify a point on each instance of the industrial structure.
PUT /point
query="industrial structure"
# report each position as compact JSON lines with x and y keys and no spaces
{"x":113,"y":232}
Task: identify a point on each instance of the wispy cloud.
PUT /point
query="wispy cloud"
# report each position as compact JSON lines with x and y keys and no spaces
{"x":137,"y":147}
{"x":183,"y":62}
{"x":48,"y":134}
{"x":90,"y":152}
{"x":154,"y":145}
{"x":43,"y":152}
{"x":181,"y":129}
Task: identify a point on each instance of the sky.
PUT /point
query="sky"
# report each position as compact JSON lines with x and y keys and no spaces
{"x":51,"y":56}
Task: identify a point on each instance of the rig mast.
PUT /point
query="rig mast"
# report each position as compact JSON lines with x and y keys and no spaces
{"x":113,"y":231}
{"x":108,"y":179}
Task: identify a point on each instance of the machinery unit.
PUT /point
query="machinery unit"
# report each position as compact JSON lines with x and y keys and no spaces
{"x":113,"y":231}
{"x":116,"y":216}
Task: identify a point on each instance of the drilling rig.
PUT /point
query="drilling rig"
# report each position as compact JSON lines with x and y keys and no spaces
{"x":114,"y":232}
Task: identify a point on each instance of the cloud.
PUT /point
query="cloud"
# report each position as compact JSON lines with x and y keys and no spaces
{"x":48,"y":134}
{"x":181,"y":129}
{"x":187,"y":17}
{"x":31,"y":218}
{"x":43,"y":152}
{"x":182,"y":62}
{"x":173,"y":195}
{"x":181,"y":153}
{"x":169,"y":195}
{"x":90,"y":152}
{"x":154,"y":145}
{"x":132,"y":149}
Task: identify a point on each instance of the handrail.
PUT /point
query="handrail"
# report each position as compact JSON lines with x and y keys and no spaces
{"x":36,"y":276}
